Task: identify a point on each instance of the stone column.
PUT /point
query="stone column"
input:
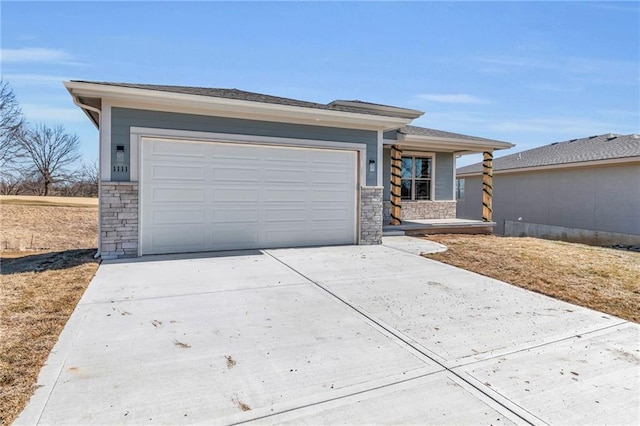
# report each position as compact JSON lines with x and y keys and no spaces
{"x":487,"y":187}
{"x":396,"y":185}
{"x":119,"y":219}
{"x":371,"y":215}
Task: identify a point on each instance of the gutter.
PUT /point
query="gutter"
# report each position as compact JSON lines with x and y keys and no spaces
{"x":99,"y":112}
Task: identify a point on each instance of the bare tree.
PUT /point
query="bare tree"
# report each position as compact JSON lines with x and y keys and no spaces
{"x":11,"y":125}
{"x":89,"y":179}
{"x":49,"y":152}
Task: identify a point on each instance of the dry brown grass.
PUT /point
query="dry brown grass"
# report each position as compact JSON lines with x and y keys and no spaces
{"x":27,"y":225}
{"x":599,"y":278}
{"x":41,"y":286}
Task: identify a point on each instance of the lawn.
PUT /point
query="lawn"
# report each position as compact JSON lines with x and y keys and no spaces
{"x":46,"y":262}
{"x":599,"y":278}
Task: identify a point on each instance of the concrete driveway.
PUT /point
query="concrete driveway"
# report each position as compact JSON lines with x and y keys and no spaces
{"x":350,"y":334}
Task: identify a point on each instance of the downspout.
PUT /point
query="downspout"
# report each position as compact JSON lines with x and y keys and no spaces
{"x":97,"y":111}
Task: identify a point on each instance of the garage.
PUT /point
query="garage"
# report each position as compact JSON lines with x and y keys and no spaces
{"x":206,"y":196}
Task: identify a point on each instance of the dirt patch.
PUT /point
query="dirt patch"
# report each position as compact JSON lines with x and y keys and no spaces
{"x":230,"y":361}
{"x":241,"y":405}
{"x":181,"y":344}
{"x":39,"y":289}
{"x":599,"y":278}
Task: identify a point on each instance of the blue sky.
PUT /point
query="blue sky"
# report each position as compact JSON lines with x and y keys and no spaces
{"x":530,"y":73}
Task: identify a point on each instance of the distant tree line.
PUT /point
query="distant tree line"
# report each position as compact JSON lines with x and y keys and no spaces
{"x":38,"y":159}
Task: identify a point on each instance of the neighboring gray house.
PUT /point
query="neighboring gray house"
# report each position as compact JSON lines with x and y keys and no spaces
{"x":186,"y":169}
{"x":580,"y":190}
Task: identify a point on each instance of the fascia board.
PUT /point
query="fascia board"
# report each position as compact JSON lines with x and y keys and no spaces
{"x":467,"y":144}
{"x":451,"y":145}
{"x":246,"y":108}
{"x":409,"y":113}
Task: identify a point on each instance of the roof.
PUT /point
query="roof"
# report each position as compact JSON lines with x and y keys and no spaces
{"x":423,"y":131}
{"x":593,"y":148}
{"x":358,"y":107}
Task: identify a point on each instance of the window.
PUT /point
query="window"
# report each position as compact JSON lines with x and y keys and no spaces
{"x":416,"y":178}
{"x":459,"y":189}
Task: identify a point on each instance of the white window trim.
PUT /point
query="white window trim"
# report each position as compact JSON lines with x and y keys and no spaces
{"x":432,"y":188}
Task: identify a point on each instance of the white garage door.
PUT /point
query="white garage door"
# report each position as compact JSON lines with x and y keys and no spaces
{"x":200,"y":196}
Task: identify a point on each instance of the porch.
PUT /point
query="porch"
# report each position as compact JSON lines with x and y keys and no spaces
{"x":438,"y":226}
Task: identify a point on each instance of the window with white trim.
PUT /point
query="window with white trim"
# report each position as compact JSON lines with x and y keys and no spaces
{"x":416,"y":178}
{"x":460,"y":189}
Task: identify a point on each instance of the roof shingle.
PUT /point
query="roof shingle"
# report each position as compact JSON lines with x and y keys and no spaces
{"x":423,"y":131}
{"x":253,"y":97}
{"x":593,"y":148}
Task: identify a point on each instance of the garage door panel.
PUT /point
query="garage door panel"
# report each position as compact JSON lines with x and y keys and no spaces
{"x":322,"y":178}
{"x":283,"y":195}
{"x":182,"y":238}
{"x":287,"y":214}
{"x":171,"y":216}
{"x":234,"y":152}
{"x":234,"y":194}
{"x":285,"y":156}
{"x":227,"y":196}
{"x":167,"y":149}
{"x":330,"y":195}
{"x":328,"y":214}
{"x":234,"y":215}
{"x":234,"y":174}
{"x":177,"y":194}
{"x":290,"y":176}
{"x":177,"y":172}
{"x":227,"y":239}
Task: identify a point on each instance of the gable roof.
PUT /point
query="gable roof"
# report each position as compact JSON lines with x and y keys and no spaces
{"x":358,"y":107}
{"x":593,"y":148}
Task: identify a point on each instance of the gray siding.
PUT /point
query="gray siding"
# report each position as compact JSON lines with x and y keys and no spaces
{"x":122,"y":119}
{"x":605,"y":198}
{"x":392,"y":134}
{"x":444,"y":176}
{"x":470,"y":207}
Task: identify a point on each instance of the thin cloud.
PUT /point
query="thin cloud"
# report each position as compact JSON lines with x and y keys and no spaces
{"x":458,"y":98}
{"x":48,"y":114}
{"x":555,"y":88}
{"x":34,"y":79}
{"x":569,"y":126}
{"x":37,"y":54}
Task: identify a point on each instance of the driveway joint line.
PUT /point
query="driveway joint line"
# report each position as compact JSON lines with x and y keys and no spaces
{"x":393,"y":332}
{"x":108,"y":302}
{"x":312,"y":404}
{"x":539,"y":345}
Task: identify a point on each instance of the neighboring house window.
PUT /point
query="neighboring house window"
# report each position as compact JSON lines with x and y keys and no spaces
{"x":416,"y":178}
{"x":460,"y":189}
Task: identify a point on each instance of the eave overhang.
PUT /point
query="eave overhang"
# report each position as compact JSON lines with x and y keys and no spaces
{"x":458,"y":146}
{"x":234,"y":108}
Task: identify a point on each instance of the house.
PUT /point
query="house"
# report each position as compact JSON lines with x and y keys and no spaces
{"x":186,"y":169}
{"x":585,"y":190}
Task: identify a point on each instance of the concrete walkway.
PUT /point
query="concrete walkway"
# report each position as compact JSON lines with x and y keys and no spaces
{"x":351,"y":334}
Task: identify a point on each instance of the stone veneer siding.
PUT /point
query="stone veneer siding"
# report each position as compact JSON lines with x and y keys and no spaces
{"x":416,"y":210}
{"x":371,"y":215}
{"x":119,"y":219}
